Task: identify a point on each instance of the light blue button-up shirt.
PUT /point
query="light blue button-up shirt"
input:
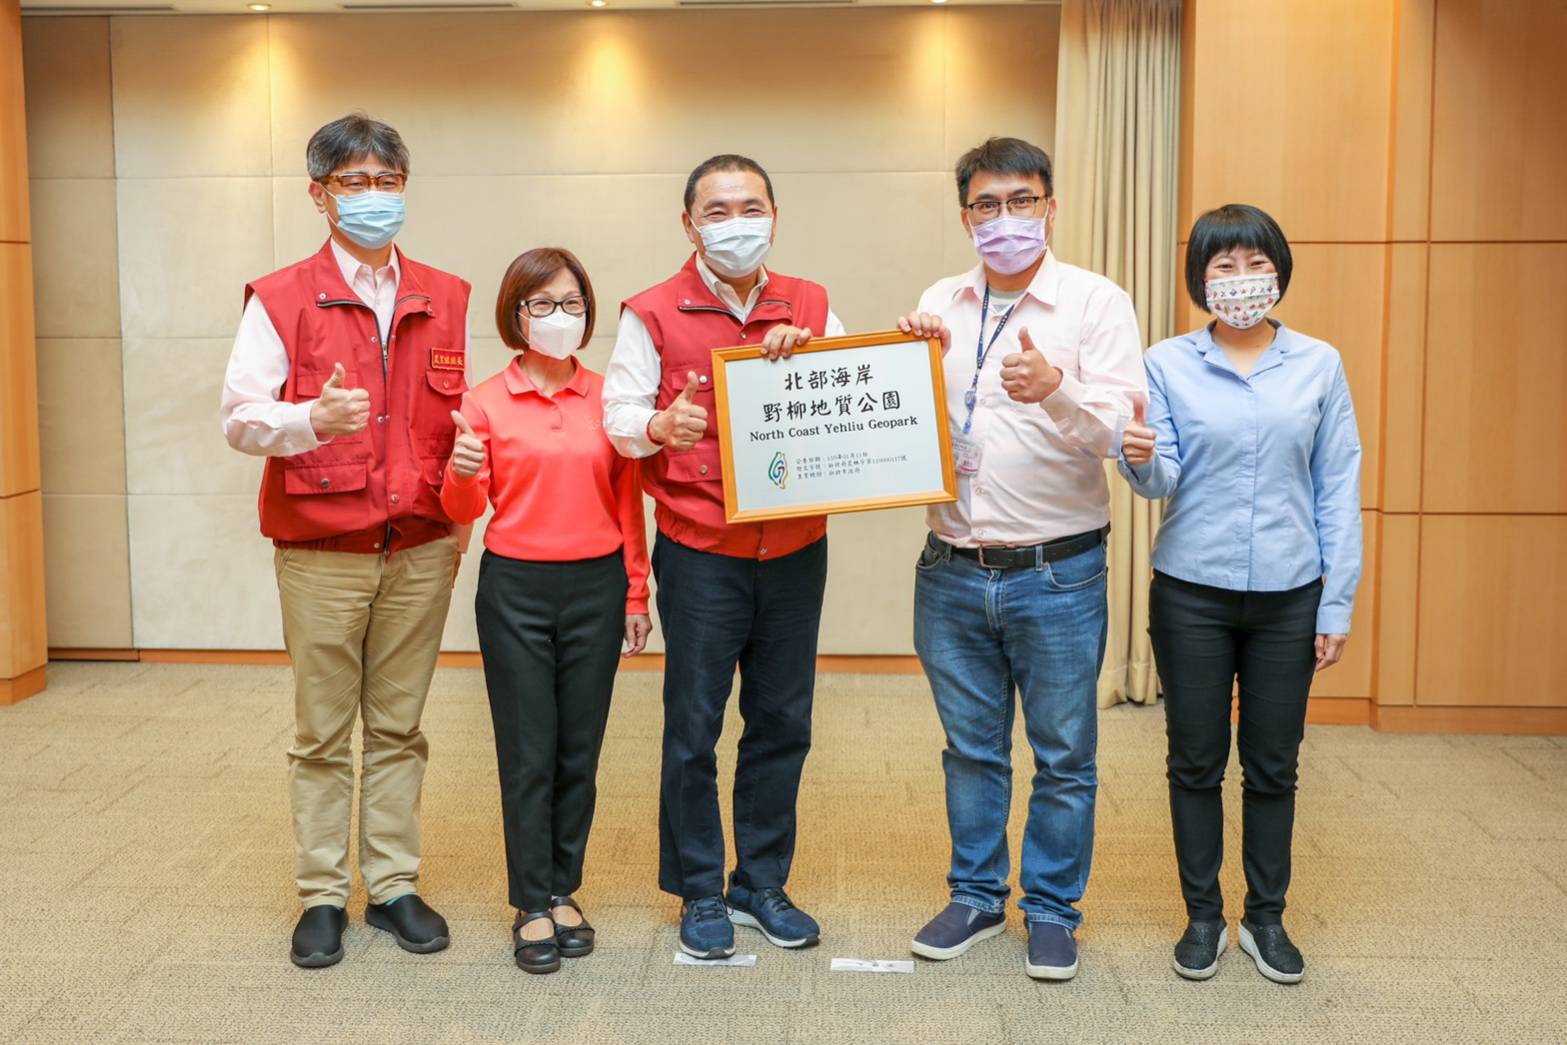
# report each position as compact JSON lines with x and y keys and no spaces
{"x":1262,"y":472}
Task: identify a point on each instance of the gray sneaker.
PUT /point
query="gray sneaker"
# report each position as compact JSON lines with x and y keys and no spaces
{"x":955,"y":930}
{"x":1052,"y":952}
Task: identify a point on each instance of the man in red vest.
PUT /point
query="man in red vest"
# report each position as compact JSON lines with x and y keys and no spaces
{"x":344,"y":375}
{"x":746,"y":595}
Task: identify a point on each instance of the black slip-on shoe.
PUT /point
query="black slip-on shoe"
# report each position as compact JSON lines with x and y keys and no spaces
{"x":1197,"y":952}
{"x":536,"y":956}
{"x":574,"y":941}
{"x":318,"y":937}
{"x":1270,"y":947}
{"x":412,"y":922}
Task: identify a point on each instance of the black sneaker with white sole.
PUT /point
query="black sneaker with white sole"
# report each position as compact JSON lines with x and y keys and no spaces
{"x":1197,"y":952}
{"x":1270,"y":947}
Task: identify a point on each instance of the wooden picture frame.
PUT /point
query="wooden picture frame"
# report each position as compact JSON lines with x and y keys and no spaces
{"x":936,"y":406}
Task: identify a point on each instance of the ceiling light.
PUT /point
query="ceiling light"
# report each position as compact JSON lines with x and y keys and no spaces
{"x":598,"y":3}
{"x":259,"y":7}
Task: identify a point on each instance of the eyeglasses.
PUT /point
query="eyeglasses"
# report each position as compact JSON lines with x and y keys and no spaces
{"x":354,"y":182}
{"x":1017,"y":207}
{"x":542,"y":308}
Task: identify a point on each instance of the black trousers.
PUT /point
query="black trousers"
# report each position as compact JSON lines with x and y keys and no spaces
{"x":718,"y":613}
{"x":551,"y":634}
{"x":1204,"y":639}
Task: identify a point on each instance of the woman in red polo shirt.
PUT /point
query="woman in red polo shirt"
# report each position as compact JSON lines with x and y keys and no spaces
{"x":563,"y":583}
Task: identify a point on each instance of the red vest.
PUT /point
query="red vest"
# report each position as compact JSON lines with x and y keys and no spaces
{"x":686,"y":323}
{"x":345,"y":494}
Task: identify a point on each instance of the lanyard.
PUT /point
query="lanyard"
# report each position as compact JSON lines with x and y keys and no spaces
{"x":981,"y":353}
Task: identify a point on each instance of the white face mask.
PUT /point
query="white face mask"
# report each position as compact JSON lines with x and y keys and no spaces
{"x":557,"y":335}
{"x":1243,"y":301}
{"x":737,"y":247}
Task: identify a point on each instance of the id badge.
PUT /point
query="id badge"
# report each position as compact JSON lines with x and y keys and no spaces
{"x":966,"y":454}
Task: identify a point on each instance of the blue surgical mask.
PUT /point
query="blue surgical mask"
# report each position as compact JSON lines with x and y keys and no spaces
{"x":371,"y":219}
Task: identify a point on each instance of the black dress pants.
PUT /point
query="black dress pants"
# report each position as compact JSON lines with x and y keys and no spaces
{"x":1204,"y":640}
{"x":551,"y":635}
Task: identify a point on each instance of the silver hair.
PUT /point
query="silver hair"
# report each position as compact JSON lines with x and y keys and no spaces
{"x":351,"y":138}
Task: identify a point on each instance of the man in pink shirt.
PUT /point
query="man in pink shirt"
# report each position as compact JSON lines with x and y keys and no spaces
{"x":1043,"y":362}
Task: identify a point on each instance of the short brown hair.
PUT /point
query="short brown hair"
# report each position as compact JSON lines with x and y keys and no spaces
{"x":1004,"y":156}
{"x":527,"y":274}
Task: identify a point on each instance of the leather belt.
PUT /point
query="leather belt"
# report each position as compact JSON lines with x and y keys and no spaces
{"x":996,"y":557}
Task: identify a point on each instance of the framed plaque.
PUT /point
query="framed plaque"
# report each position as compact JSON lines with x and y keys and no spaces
{"x":845,"y":424}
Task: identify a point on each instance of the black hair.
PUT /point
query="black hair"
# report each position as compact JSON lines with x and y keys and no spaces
{"x":350,"y":138}
{"x":726,"y":162}
{"x":1004,"y":156}
{"x":1222,"y":230}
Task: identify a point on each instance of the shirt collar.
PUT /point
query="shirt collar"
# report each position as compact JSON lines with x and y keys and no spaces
{"x":1042,"y":288}
{"x":1283,"y":342}
{"x":723,"y":291}
{"x":351,"y":266}
{"x":519,"y":383}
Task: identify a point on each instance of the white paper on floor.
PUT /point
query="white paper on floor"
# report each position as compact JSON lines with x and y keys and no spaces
{"x":742,"y":960}
{"x":870,"y":965}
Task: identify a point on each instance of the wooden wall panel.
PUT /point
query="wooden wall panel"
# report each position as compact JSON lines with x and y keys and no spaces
{"x":23,"y":644}
{"x":1291,"y":109}
{"x":13,"y":128}
{"x":1493,"y":610}
{"x":1495,"y":371}
{"x":18,"y":371}
{"x":1409,"y":173}
{"x":1498,"y":144}
{"x":1404,"y":350}
{"x":1397,"y":597}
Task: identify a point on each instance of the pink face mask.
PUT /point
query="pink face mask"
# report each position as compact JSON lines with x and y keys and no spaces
{"x":1009,"y":245}
{"x":1243,"y":301}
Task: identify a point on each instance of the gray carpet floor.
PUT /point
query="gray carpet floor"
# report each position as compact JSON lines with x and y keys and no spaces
{"x":145,"y":855}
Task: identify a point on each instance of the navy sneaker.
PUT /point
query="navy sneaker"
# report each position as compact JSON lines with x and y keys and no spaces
{"x":1052,"y":952}
{"x":705,"y":930}
{"x":955,"y":930}
{"x":771,"y":911}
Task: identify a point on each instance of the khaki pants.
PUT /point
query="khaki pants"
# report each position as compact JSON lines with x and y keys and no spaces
{"x":363,"y":632}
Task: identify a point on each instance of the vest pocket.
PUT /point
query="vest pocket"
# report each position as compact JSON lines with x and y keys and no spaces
{"x":326,"y":478}
{"x":701,"y":464}
{"x":447,"y":382}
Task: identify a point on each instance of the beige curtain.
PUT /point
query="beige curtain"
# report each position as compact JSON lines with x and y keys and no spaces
{"x":1117,"y":140}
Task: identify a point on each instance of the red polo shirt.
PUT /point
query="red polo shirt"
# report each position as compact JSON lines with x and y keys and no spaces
{"x":560,"y":490}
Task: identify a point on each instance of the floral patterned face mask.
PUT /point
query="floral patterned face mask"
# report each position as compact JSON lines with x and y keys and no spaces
{"x":1243,"y":301}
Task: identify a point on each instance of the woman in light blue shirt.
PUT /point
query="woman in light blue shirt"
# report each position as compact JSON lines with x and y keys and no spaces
{"x":1250,"y":434}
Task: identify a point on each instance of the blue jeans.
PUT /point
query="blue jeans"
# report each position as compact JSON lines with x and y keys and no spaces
{"x":720,"y":613}
{"x":979,"y":633}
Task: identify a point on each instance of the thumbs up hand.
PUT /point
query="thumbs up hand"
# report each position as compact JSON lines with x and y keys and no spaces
{"x":680,"y":425}
{"x":339,"y":410}
{"x":1140,"y":442}
{"x":1025,"y":375}
{"x":468,"y":450}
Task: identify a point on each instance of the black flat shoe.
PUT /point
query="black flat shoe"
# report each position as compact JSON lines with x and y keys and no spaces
{"x":1270,"y":948}
{"x":534,"y":955}
{"x":412,"y":922}
{"x":574,"y":941}
{"x":1197,"y":953}
{"x":318,"y":937}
